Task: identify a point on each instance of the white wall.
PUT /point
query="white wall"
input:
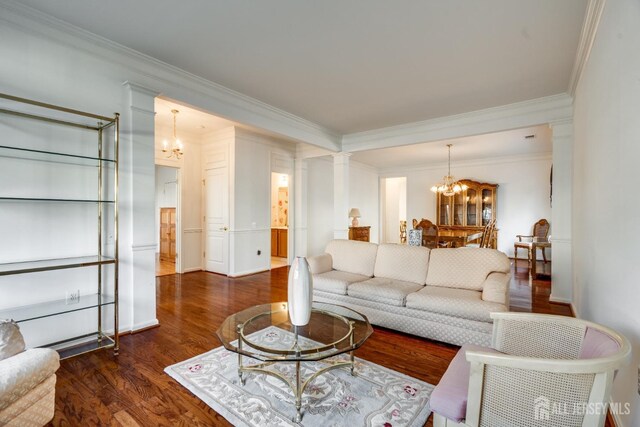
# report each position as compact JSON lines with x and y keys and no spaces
{"x":319,"y":204}
{"x":606,"y":217}
{"x":250,"y":195}
{"x":363,"y":194}
{"x":394,"y":208}
{"x":39,"y":67}
{"x":523,"y":192}
{"x":189,"y":168}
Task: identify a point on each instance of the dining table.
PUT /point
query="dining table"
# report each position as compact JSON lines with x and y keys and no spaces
{"x":458,"y":238}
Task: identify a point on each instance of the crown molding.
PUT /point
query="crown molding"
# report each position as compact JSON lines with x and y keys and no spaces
{"x":512,"y":116}
{"x":402,"y":171}
{"x":169,"y":80}
{"x":587,"y":37}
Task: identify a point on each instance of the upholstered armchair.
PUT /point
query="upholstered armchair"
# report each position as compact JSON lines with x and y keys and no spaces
{"x":27,"y":380}
{"x":541,"y":370}
{"x":540,"y":234}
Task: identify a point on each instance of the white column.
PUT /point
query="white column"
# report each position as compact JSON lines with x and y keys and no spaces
{"x":561,"y":224}
{"x":341,"y":195}
{"x":139,"y":250}
{"x":300,"y":207}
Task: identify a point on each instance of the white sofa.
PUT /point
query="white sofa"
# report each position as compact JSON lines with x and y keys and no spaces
{"x":443,"y":294}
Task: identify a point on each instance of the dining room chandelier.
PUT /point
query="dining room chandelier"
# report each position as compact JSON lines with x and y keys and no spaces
{"x":449,"y":186}
{"x":177,"y":147}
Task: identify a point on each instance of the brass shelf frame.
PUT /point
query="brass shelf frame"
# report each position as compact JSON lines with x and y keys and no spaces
{"x":57,"y":115}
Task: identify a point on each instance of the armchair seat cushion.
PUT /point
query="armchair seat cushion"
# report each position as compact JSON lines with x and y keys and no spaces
{"x":24,"y":371}
{"x":462,"y":303}
{"x":380,"y":289}
{"x":449,"y":398}
{"x":336,"y":282}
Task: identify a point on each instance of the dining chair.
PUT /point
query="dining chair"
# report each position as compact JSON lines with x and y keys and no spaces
{"x":429,"y":233}
{"x":403,"y":231}
{"x":540,"y":234}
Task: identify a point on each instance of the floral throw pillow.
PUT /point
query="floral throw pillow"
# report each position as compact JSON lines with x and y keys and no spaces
{"x":11,"y":341}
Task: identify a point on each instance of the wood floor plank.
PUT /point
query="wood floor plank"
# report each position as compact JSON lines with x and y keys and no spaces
{"x":132,"y":389}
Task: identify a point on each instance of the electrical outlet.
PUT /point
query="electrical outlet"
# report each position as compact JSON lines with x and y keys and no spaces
{"x":72,"y":297}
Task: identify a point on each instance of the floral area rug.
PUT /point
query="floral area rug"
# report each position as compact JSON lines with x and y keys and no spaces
{"x":376,"y":396}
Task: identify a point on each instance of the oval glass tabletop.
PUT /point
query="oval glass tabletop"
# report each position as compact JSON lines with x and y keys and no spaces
{"x":265,"y":332}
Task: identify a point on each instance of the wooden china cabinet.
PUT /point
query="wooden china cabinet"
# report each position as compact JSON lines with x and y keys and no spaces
{"x":471,"y":209}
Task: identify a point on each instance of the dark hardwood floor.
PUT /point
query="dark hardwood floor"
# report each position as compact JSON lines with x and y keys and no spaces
{"x":132,"y":389}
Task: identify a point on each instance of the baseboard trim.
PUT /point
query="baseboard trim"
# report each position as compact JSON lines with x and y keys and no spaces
{"x":192,"y":269}
{"x":144,"y":326}
{"x":248,"y":273}
{"x":557,"y":300}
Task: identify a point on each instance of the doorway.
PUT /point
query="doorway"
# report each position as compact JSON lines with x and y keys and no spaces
{"x":279,"y":219}
{"x":166,"y":218}
{"x":394,"y":209}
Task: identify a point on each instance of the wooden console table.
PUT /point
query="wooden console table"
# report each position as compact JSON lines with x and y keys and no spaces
{"x":359,"y":233}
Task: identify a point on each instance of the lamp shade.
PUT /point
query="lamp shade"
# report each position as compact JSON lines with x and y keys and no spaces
{"x":354,"y":213}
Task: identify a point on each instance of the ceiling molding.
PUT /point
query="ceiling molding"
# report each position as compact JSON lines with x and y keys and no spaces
{"x":171,"y":81}
{"x":512,"y":116}
{"x":402,"y":171}
{"x":587,"y":37}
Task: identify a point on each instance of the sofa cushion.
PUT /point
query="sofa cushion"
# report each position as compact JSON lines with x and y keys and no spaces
{"x":380,"y":289}
{"x":320,"y":263}
{"x":465,"y":268}
{"x":336,"y":282}
{"x":461,"y":303}
{"x":402,"y":262}
{"x":353,"y":256}
{"x":449,"y":398}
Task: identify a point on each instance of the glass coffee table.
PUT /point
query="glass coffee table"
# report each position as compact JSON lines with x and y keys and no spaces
{"x":264,"y":332}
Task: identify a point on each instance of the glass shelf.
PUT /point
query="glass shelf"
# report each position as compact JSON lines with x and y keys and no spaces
{"x":83,"y":344}
{"x":52,"y":264}
{"x":54,"y":114}
{"x":42,"y":155}
{"x":44,"y":199}
{"x":54,"y":308}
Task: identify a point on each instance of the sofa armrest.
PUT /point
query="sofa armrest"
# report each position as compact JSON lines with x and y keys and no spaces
{"x":320,"y":263}
{"x":21,"y":373}
{"x":496,"y":288}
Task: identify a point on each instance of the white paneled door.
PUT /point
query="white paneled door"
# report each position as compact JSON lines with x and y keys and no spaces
{"x":217,"y":220}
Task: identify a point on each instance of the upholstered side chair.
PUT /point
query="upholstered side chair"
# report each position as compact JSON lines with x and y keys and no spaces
{"x":540,"y":234}
{"x":536,"y":364}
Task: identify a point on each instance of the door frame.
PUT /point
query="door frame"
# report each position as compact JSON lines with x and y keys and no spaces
{"x":283,"y":163}
{"x":172,"y":164}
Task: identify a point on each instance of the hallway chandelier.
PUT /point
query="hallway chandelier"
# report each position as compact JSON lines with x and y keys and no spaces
{"x":177,"y":146}
{"x":449,"y":186}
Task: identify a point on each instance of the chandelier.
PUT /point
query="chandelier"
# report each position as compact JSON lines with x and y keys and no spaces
{"x":449,"y":186}
{"x":177,"y":146}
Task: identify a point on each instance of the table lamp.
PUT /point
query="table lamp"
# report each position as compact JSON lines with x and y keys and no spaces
{"x":355,"y":214}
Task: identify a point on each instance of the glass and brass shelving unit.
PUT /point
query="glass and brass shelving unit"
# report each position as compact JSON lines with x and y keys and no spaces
{"x":98,"y":160}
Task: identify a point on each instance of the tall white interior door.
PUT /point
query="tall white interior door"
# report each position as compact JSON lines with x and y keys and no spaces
{"x":217,"y":220}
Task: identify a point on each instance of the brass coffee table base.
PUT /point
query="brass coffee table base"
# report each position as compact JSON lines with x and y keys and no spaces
{"x":299,"y":387}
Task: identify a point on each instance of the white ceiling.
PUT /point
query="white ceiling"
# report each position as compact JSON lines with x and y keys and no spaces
{"x":188,"y":120}
{"x":353,"y":65}
{"x":490,"y":146}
